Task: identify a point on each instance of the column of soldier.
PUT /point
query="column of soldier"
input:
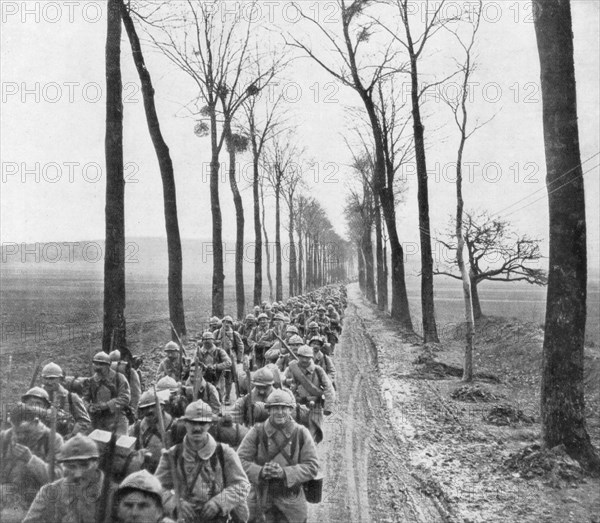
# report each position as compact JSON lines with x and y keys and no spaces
{"x":99,"y":450}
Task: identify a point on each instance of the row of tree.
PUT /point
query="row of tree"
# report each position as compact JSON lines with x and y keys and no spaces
{"x":484,"y":237}
{"x":226,"y":64}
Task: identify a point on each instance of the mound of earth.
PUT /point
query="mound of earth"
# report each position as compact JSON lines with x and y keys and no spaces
{"x":507,"y":415}
{"x":474,"y":393}
{"x":553,"y":464}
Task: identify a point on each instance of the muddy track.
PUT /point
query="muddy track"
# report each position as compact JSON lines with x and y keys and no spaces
{"x":362,"y":458}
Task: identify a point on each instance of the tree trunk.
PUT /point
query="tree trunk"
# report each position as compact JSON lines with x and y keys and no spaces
{"x":240,"y":297}
{"x":460,"y":261}
{"x":218,"y":297}
{"x":427,"y":303}
{"x":258,"y":282}
{"x":385,"y":274}
{"x":381,"y":283}
{"x":477,"y":314}
{"x":367,"y":248}
{"x":278,"y":270}
{"x":400,"y":309}
{"x":300,"y":258}
{"x":361,"y":268}
{"x":562,"y":393}
{"x":175,"y":257}
{"x":113,"y":334}
{"x":292,"y":277}
{"x":267,"y":254}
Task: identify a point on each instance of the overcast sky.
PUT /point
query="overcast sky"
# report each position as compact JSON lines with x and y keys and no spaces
{"x":53,"y":126}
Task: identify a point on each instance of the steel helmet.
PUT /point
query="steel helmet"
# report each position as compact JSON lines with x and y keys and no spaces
{"x":171,"y":346}
{"x":115,"y":355}
{"x":101,"y":357}
{"x":262,"y":315}
{"x":316,"y":338}
{"x":292,"y":328}
{"x":250,"y":317}
{"x":272,"y":354}
{"x":306,"y":351}
{"x":321,"y":308}
{"x":147,"y":399}
{"x":313,"y":325}
{"x":306,"y":307}
{"x":295,"y":340}
{"x":79,"y":447}
{"x":208,"y":335}
{"x":282,"y":397}
{"x":279,"y":317}
{"x":214,"y":319}
{"x":166,"y":383}
{"x":263,"y":377}
{"x":52,"y":370}
{"x":143,"y":481}
{"x":198,"y":411}
{"x":227,"y":318}
{"x":36,"y":392}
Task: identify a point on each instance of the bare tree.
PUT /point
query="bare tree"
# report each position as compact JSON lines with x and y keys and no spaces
{"x":496,"y":253}
{"x":281,"y":161}
{"x":215,"y":52}
{"x":267,"y":251}
{"x":458,"y":107}
{"x":360,"y":214}
{"x":175,"y":257}
{"x":114,"y":333}
{"x":415,"y":46}
{"x":350,"y":71}
{"x":562,"y":394}
{"x":291,"y":183}
{"x":259,"y":132}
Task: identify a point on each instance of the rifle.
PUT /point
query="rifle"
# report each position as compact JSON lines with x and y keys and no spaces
{"x":181,"y":349}
{"x":36,"y":370}
{"x":251,"y":411}
{"x":166,"y":444}
{"x":52,"y":449}
{"x":286,"y":346}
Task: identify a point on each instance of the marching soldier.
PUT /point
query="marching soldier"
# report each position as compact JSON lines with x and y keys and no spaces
{"x":294,"y":343}
{"x":77,"y":497}
{"x":146,"y":430}
{"x":133,"y":378}
{"x":107,"y":396}
{"x":312,"y":331}
{"x":26,"y":450}
{"x":204,"y":391}
{"x":321,"y":359}
{"x":212,"y":359}
{"x":279,"y":456}
{"x":261,"y":340}
{"x":313,"y":390}
{"x":231,"y":342}
{"x":250,"y":409}
{"x":172,"y":366}
{"x":214,"y":323}
{"x":72,"y":416}
{"x":210,"y":476}
{"x":139,"y":499}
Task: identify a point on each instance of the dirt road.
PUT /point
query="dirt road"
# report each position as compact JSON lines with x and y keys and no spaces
{"x":363,"y":459}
